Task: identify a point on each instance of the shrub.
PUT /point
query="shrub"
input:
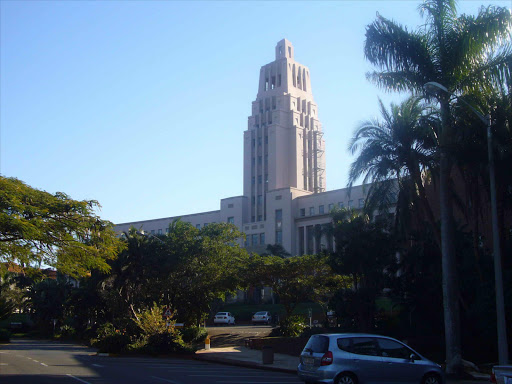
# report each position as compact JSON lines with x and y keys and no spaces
{"x":111,"y":340}
{"x":167,"y":342}
{"x":193,"y":334}
{"x":292,"y":326}
{"x":113,"y":344}
{"x":5,"y":335}
{"x":151,"y":322}
{"x":67,"y":332}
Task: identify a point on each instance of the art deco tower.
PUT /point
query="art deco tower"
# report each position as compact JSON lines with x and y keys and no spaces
{"x":283,"y":144}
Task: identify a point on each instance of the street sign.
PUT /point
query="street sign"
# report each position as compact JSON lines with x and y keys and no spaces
{"x":167,"y":312}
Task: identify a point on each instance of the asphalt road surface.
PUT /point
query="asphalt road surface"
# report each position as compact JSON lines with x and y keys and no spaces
{"x":47,"y":362}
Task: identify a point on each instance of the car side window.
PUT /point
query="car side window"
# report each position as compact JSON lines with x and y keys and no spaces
{"x":344,"y":344}
{"x":390,"y":348}
{"x":364,"y":346}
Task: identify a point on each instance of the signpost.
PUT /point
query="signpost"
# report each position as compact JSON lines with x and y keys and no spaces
{"x":167,"y":312}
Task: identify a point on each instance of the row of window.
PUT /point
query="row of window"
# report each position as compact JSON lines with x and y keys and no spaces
{"x":321,"y":208}
{"x":259,"y":141}
{"x":255,"y":239}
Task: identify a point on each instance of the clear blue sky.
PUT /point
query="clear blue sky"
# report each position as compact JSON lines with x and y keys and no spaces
{"x":142,"y":105}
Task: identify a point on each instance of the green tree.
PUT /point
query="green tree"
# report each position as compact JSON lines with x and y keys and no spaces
{"x":187,"y":269}
{"x":365,"y":251}
{"x":276,"y":250}
{"x":48,"y":300}
{"x":294,"y":279}
{"x":37,"y":227}
{"x":462,"y":53}
{"x":393,"y":155}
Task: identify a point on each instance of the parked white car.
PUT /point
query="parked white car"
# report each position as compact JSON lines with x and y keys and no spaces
{"x":224,"y":318}
{"x":262,"y":317}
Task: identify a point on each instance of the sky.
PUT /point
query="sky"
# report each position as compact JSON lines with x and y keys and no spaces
{"x":142,"y":105}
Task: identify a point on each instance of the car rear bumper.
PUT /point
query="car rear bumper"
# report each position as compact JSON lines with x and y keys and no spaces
{"x":319,"y":375}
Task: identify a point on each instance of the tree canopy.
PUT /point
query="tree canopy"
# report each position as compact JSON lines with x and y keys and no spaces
{"x":37,"y":227}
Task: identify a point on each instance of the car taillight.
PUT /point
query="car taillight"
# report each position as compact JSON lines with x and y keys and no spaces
{"x":493,"y":377}
{"x":326,"y":358}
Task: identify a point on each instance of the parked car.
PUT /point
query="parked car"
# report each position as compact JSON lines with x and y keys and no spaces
{"x":262,"y":317}
{"x":224,"y":318}
{"x":352,"y":358}
{"x":501,"y":374}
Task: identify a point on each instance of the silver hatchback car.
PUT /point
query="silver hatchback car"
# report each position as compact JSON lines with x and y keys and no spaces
{"x":354,"y":358}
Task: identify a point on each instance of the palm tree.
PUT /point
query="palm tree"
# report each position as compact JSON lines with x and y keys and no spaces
{"x":400,"y":147}
{"x":457,"y":52}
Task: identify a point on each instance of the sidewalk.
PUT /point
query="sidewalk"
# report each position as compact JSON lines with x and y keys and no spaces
{"x":252,"y":358}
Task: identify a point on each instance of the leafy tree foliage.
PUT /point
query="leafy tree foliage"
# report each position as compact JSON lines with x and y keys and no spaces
{"x":48,"y":300}
{"x":187,"y":269}
{"x":465,"y":54}
{"x":364,"y":251}
{"x":294,"y":279}
{"x":37,"y":227}
{"x":276,"y":250}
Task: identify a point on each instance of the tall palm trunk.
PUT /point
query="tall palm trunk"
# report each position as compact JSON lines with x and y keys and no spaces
{"x":449,"y":265}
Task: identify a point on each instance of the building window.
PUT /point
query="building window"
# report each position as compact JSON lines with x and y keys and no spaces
{"x":311,"y":211}
{"x":253,"y":219}
{"x":259,"y":160}
{"x":198,"y":226}
{"x":205,"y":225}
{"x":302,"y":212}
{"x":279,"y":219}
{"x":259,"y":141}
{"x":166,"y":230}
{"x":253,"y":180}
{"x":321,"y":209}
{"x":361,"y":203}
{"x":279,"y":197}
{"x":331,"y":207}
{"x":253,"y":142}
{"x":260,"y":217}
{"x":309,"y":239}
{"x":301,"y":241}
{"x":351,"y":203}
{"x":341,"y":205}
{"x":254,"y":239}
{"x":259,"y":179}
{"x":152,"y":231}
{"x":262,"y":238}
{"x":279,"y":237}
{"x":231,"y":220}
{"x":266,"y":139}
{"x":253,"y":201}
{"x":231,"y":205}
{"x":247,"y":241}
{"x":253,"y":161}
{"x":159,"y":231}
{"x":260,"y":199}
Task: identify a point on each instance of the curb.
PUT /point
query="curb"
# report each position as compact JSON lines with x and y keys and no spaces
{"x":245,"y":364}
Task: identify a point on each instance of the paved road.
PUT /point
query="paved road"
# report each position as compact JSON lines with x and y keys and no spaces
{"x":46,"y":362}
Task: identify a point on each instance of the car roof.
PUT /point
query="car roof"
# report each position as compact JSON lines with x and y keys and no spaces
{"x":352,"y":335}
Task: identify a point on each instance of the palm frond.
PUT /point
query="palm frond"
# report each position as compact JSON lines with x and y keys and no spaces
{"x":392,"y":47}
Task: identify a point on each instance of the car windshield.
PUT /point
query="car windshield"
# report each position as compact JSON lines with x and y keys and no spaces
{"x":221,"y":314}
{"x":317,"y":344}
{"x":261,"y":313}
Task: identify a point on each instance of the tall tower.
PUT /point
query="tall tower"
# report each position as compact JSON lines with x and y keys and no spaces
{"x":283,"y":143}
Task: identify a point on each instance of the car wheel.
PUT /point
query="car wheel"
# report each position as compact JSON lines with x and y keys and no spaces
{"x":346,"y":378}
{"x":431,"y":379}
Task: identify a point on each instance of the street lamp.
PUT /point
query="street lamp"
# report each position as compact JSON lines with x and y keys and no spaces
{"x":430,"y":87}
